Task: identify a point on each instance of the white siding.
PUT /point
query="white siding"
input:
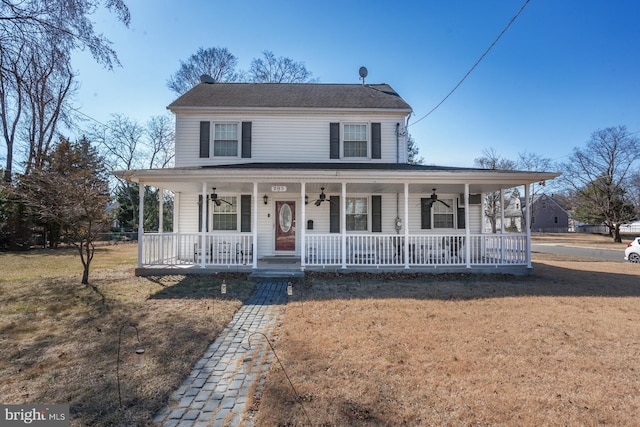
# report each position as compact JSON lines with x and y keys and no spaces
{"x":188,"y":217}
{"x":284,"y":137}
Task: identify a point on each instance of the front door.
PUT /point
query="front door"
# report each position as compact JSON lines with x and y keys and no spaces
{"x":285,"y":226}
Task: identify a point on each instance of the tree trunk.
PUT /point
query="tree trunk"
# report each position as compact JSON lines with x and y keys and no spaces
{"x":86,"y":255}
{"x":616,"y":234}
{"x":85,"y":275}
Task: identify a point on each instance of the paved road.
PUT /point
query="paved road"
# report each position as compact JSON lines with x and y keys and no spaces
{"x":604,"y":254}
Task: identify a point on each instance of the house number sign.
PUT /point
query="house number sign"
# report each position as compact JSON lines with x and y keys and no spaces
{"x":279,"y":188}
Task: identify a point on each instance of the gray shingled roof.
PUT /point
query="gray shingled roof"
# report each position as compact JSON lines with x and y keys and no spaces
{"x":291,"y":95}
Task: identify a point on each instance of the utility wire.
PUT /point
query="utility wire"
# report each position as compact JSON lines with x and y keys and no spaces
{"x":474,"y":65}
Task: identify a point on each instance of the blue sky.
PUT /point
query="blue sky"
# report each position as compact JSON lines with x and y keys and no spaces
{"x":561,"y":71}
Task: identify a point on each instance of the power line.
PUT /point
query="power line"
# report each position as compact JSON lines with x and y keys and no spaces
{"x":474,"y":65}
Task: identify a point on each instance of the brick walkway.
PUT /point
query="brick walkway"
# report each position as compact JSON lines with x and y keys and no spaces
{"x":220,"y":387}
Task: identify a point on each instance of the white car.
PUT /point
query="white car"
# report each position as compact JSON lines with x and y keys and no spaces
{"x":632,"y":253}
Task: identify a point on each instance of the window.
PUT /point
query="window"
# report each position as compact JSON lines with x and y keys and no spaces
{"x":356,"y":214}
{"x":443,"y":216}
{"x":355,"y":140}
{"x":225,"y":216}
{"x":225,"y":139}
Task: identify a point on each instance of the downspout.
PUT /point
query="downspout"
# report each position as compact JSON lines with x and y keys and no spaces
{"x":397,"y":221}
{"x":397,"y":142}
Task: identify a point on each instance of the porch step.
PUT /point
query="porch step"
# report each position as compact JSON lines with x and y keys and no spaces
{"x":277,"y":275}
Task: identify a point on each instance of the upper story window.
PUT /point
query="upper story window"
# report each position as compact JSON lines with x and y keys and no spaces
{"x":355,"y":141}
{"x":225,"y":139}
{"x":229,"y":139}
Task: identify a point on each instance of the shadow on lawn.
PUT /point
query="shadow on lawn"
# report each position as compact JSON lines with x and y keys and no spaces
{"x":547,"y":280}
{"x":198,"y":286}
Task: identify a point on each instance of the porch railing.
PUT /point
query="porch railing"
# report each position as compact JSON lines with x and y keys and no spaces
{"x":186,"y":249}
{"x":423,"y":250}
{"x":377,"y":250}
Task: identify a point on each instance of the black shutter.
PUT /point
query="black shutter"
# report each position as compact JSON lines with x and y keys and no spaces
{"x":460,"y":218}
{"x":334,"y":214}
{"x":334,"y":140}
{"x":200,"y":215}
{"x":205,"y":128}
{"x":425,"y":213}
{"x":376,"y":214}
{"x":376,"y":141}
{"x":245,"y":213}
{"x":246,"y":140}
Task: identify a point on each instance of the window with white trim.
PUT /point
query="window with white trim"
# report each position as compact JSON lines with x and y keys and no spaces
{"x":443,"y":215}
{"x":225,"y":216}
{"x":357,"y":214}
{"x":355,"y":140}
{"x":225,"y":140}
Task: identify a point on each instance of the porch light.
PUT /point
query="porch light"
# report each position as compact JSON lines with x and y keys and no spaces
{"x":306,"y":200}
{"x":265,"y":198}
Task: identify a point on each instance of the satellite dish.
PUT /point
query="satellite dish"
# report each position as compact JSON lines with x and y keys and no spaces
{"x":363,"y":73}
{"x":205,"y":78}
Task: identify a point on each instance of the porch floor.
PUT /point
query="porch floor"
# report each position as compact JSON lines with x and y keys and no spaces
{"x":288,"y":268}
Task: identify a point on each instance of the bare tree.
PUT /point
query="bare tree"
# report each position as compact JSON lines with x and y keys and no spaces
{"x":601,"y":176}
{"x":160,"y":133}
{"x":536,"y":163}
{"x":492,"y":201}
{"x":45,"y":32}
{"x":48,"y":84}
{"x":216,"y":62}
{"x":127,"y":145}
{"x":272,"y":69}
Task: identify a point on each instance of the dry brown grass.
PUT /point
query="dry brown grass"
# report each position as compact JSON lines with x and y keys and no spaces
{"x":558,"y":348}
{"x":58,"y":339}
{"x":600,"y":241}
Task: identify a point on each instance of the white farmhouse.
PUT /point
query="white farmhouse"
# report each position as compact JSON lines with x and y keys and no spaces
{"x":317,"y":175}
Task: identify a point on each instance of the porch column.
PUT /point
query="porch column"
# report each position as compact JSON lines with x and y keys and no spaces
{"x":140,"y":221}
{"x":160,"y":210}
{"x":406,"y":225}
{"x":527,"y":223}
{"x":176,"y":212}
{"x":303,"y":228}
{"x":203,"y":227}
{"x":502,"y":248}
{"x":502,"y":210}
{"x":467,"y":229}
{"x":254,"y":227}
{"x":343,"y":224}
{"x":160,"y":223}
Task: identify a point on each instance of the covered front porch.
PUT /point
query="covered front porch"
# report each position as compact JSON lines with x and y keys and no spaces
{"x":302,"y":218}
{"x":330,"y":252}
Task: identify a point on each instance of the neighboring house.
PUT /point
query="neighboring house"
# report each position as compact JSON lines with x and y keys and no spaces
{"x":317,"y":174}
{"x":548,"y":216}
